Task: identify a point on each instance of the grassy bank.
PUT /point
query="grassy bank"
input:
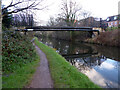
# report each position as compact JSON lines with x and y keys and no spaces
{"x":63,"y":74}
{"x":19,"y":60}
{"x":21,"y":77}
{"x":108,"y":38}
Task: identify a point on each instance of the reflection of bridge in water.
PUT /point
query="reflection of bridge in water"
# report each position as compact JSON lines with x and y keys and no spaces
{"x":92,"y":60}
{"x":85,"y":62}
{"x":80,"y":55}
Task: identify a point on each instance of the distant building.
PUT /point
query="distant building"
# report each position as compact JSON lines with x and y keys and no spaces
{"x":93,"y":22}
{"x":113,"y":21}
{"x":88,"y":22}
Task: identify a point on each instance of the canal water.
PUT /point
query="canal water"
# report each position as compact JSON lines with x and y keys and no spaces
{"x":100,"y":63}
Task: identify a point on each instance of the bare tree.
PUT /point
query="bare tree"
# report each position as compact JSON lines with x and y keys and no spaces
{"x":56,"y":22}
{"x":70,"y":10}
{"x":51,"y":22}
{"x":85,"y":15}
{"x":22,"y":19}
{"x":16,"y":6}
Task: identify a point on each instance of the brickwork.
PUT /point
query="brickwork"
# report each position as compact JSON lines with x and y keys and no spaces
{"x":113,"y":24}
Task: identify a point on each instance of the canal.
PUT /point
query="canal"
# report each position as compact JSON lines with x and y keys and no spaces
{"x":100,"y":63}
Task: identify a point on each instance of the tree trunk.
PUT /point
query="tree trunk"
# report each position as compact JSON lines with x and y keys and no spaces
{"x":0,"y":47}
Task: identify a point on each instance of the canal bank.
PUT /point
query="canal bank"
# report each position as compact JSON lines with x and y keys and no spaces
{"x":108,"y":38}
{"x":63,"y":74}
{"x":99,"y":63}
{"x":19,"y":60}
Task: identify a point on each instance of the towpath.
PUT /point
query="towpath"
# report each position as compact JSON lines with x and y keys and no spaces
{"x":42,"y":77}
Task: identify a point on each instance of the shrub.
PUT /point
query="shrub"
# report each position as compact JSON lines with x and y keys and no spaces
{"x":110,"y":38}
{"x":17,"y":50}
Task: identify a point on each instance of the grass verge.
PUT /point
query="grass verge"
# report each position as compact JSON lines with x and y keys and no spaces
{"x":21,"y":77}
{"x":63,"y":74}
{"x":19,"y":59}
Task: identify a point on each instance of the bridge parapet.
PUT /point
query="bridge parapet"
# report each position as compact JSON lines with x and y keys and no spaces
{"x":45,"y":28}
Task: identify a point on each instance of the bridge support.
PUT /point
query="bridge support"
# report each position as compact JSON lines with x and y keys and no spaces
{"x":91,"y":33}
{"x":25,"y":32}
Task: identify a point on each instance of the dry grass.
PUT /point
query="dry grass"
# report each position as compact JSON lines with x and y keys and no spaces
{"x":110,"y":38}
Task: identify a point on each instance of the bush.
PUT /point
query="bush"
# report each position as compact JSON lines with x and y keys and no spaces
{"x":119,"y":26}
{"x":17,"y":50}
{"x":110,"y":38}
{"x":111,"y":28}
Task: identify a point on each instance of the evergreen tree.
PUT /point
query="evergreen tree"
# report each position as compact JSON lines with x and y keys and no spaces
{"x":7,"y":19}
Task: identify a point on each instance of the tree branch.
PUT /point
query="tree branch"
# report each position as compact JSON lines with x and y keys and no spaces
{"x":17,"y":9}
{"x":11,"y":5}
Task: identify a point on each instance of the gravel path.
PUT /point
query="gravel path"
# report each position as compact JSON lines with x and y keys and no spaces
{"x":42,"y":77}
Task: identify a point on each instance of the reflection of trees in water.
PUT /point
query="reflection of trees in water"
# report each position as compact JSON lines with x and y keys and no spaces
{"x":77,"y":48}
{"x":109,"y":52}
{"x":86,"y":63}
{"x":66,"y":47}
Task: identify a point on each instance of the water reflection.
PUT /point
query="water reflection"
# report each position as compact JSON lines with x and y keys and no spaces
{"x":86,"y":63}
{"x":99,"y":63}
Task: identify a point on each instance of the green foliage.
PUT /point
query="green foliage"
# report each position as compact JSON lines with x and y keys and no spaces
{"x":4,"y":28}
{"x":119,"y":26}
{"x":17,"y":50}
{"x":7,"y":19}
{"x":21,"y":77}
{"x":111,"y":28}
{"x":64,"y":74}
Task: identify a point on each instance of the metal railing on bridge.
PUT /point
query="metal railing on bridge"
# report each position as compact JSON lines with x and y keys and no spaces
{"x":46,"y":28}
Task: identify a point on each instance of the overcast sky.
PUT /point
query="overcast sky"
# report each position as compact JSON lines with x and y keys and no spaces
{"x":98,"y":8}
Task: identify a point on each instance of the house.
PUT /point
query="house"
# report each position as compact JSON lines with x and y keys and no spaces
{"x":113,"y":21}
{"x":88,"y":22}
{"x":93,"y":22}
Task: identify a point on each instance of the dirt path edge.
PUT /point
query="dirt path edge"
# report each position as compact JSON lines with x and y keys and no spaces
{"x":42,"y":77}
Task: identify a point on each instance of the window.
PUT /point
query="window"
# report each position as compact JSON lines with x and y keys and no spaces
{"x":115,"y":17}
{"x":115,"y":22}
{"x":108,"y":19}
{"x":111,"y":23}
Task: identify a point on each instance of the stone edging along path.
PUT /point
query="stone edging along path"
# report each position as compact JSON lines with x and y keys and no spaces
{"x":42,"y":77}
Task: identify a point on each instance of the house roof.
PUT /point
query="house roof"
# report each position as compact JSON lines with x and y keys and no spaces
{"x":113,"y":18}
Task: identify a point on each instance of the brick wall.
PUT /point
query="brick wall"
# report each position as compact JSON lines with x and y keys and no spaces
{"x":113,"y":24}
